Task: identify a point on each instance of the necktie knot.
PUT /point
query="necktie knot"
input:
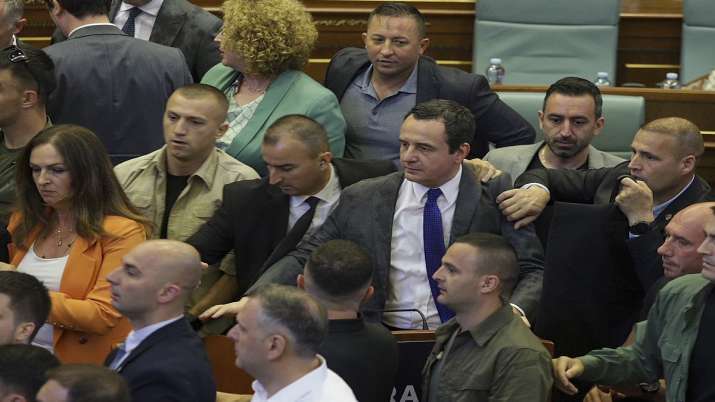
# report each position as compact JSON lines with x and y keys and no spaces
{"x":312,"y":201}
{"x":134,"y":12}
{"x":433,"y":194}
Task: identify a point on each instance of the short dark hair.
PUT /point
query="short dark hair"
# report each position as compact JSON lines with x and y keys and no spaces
{"x":29,"y":299}
{"x":90,"y":383}
{"x":23,"y":368}
{"x":35,"y":72}
{"x":295,"y":310}
{"x":82,"y":8}
{"x":497,"y":257}
{"x":198,"y":91}
{"x":458,"y":120}
{"x":397,"y":9}
{"x":303,"y":128}
{"x":339,"y":268}
{"x":575,"y":86}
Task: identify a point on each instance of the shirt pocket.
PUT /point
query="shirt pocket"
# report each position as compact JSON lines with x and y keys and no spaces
{"x":185,"y":223}
{"x":670,"y":354}
{"x":464,"y":390}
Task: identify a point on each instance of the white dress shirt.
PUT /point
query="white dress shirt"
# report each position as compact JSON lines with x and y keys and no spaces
{"x":137,"y":337}
{"x":319,"y":385}
{"x":409,"y":287}
{"x":328,"y":196}
{"x":87,"y":25}
{"x":144,"y":22}
{"x":49,"y":271}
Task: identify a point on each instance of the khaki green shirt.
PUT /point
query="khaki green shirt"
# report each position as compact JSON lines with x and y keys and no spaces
{"x":499,"y":360}
{"x":144,"y":181}
{"x":663,"y":342}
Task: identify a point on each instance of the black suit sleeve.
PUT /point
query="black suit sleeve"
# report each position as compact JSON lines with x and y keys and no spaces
{"x":207,"y":50}
{"x":567,"y":185}
{"x":646,"y":261}
{"x":159,"y":385}
{"x":215,"y":238}
{"x":496,"y":122}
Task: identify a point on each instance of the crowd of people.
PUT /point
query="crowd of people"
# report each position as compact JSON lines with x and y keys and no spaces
{"x":310,"y":221}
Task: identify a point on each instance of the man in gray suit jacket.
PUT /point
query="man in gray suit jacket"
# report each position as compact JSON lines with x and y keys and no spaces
{"x":178,"y":24}
{"x":393,"y":217}
{"x":570,"y":119}
{"x":114,"y":85}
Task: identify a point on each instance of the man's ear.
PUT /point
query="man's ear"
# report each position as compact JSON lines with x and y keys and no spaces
{"x":489,"y":284}
{"x":19,"y":25}
{"x":23,"y":332}
{"x":300,"y":281}
{"x":368,"y":294}
{"x":30,"y":98}
{"x":276,"y":345}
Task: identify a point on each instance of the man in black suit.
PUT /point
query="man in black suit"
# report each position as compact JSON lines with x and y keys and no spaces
{"x":262,"y":220}
{"x":378,"y":85}
{"x":162,"y":358}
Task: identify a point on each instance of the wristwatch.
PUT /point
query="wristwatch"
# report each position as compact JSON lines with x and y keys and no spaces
{"x":640,"y":228}
{"x":650,"y":388}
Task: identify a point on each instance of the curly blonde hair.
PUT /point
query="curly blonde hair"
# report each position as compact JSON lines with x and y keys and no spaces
{"x":271,"y":36}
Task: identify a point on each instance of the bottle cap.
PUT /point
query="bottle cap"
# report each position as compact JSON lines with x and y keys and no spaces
{"x":495,"y":60}
{"x":671,"y":76}
{"x":602,"y":74}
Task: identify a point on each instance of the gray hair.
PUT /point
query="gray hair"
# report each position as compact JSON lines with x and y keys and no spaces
{"x":14,"y":9}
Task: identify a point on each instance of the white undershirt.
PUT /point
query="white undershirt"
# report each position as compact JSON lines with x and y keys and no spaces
{"x":49,"y":271}
{"x":144,"y":22}
{"x":409,"y":287}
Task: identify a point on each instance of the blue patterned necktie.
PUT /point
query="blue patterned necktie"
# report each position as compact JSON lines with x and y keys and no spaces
{"x":433,"y":237}
{"x":128,"y":27}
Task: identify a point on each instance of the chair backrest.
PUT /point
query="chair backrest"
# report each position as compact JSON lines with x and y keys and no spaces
{"x":624,"y":116}
{"x":540,"y":41}
{"x":228,"y":377}
{"x":414,"y":346}
{"x":697,"y":55}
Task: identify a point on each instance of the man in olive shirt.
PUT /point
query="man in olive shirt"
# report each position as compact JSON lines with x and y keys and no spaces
{"x":26,"y":78}
{"x":675,"y":343}
{"x":485,"y":353}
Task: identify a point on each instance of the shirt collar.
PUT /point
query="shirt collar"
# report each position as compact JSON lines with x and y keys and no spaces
{"x":365,"y":84}
{"x":661,"y":207}
{"x":205,"y":172}
{"x":329,"y":193}
{"x":151,"y":8}
{"x":90,"y":25}
{"x":486,"y":330}
{"x":136,"y":337}
{"x":450,"y":189}
{"x":298,"y":389}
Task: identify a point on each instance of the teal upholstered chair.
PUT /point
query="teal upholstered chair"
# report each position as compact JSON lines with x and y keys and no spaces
{"x":540,"y":41}
{"x":624,"y":116}
{"x":697,"y":53}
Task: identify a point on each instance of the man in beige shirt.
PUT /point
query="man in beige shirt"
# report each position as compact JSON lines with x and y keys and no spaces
{"x":179,"y":186}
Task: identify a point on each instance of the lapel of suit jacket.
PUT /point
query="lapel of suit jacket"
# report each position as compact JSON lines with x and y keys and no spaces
{"x":168,"y":23}
{"x":523,"y":159}
{"x":427,"y":82}
{"x":78,"y":281}
{"x":383,"y":203}
{"x":470,"y":190}
{"x":356,"y":63}
{"x":114,"y":9}
{"x":272,"y":98}
{"x":279,"y":205}
{"x":174,"y":329}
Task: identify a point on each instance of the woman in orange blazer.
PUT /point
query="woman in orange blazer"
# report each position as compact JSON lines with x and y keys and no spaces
{"x":72,"y":227}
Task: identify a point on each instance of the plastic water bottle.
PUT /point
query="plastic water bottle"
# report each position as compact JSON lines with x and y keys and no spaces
{"x":671,"y":81}
{"x":495,"y":72}
{"x":602,"y":79}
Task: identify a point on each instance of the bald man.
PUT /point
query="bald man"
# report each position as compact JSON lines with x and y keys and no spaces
{"x":162,"y":358}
